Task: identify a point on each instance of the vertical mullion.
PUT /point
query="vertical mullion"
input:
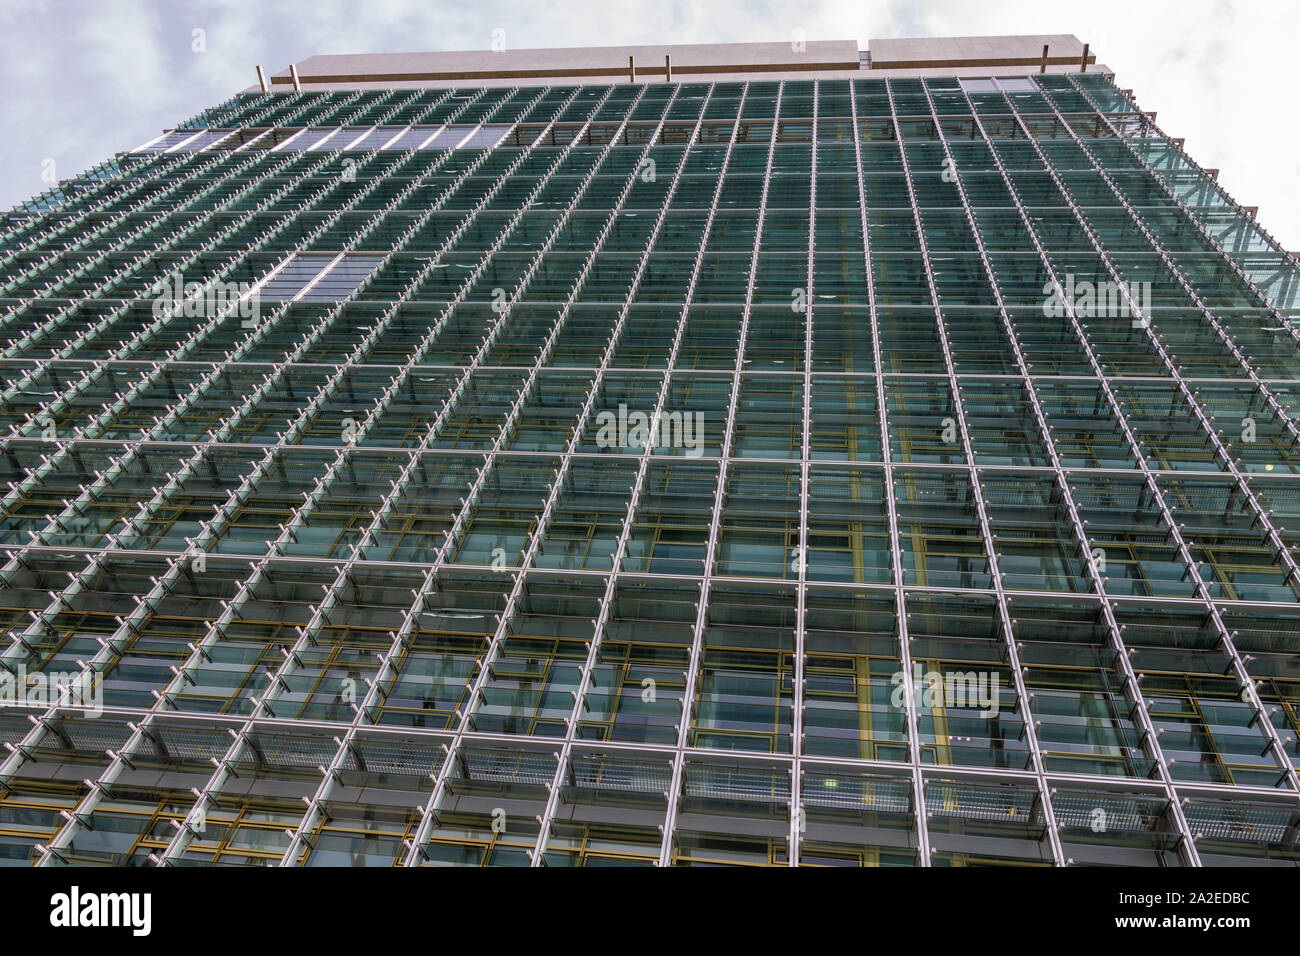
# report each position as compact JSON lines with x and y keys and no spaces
{"x":314,"y":811}
{"x":798,"y":816}
{"x":1006,"y":622}
{"x":891,"y":510}
{"x":207,"y":530}
{"x":719,"y":496}
{"x":1150,"y":738}
{"x":1250,"y":695}
{"x":565,"y":763}
{"x":184,"y":834}
{"x":415,"y":851}
{"x":977,"y":493}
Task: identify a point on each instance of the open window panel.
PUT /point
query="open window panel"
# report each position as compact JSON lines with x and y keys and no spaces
{"x":317,"y":277}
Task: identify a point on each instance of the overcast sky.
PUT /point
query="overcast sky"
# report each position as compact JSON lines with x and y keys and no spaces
{"x":86,"y":78}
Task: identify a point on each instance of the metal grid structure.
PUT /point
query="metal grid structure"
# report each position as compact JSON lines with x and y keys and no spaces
{"x":362,"y":583}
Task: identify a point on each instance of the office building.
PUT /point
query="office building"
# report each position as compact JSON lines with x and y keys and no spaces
{"x":770,"y":454}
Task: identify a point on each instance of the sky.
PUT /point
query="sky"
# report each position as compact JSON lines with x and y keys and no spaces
{"x":84,"y":79}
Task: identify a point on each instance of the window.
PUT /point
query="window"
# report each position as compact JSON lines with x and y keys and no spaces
{"x":1017,"y":84}
{"x":311,"y":277}
{"x":358,"y":138}
{"x":467,"y":137}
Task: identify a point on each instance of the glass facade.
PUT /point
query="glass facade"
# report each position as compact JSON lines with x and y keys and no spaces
{"x":844,"y":472}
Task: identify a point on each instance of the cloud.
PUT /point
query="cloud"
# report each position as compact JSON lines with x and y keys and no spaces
{"x":91,"y":77}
